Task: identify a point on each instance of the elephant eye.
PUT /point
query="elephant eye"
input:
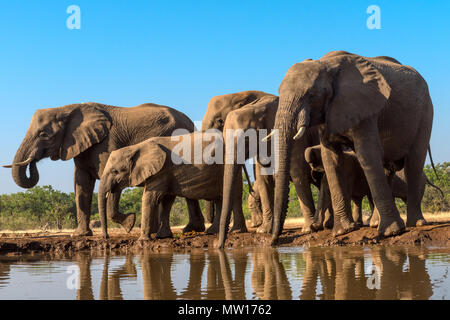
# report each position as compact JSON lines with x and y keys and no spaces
{"x":43,"y":134}
{"x":114,"y":171}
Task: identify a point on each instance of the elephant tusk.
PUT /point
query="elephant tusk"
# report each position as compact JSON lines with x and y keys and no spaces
{"x":300,"y":133}
{"x":20,"y":164}
{"x":106,"y":195}
{"x":266,"y":138}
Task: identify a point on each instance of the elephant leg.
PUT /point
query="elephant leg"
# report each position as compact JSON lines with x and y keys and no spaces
{"x":238,"y":215}
{"x":84,"y":187}
{"x":150,"y":213}
{"x":370,"y":155}
{"x":374,"y":218}
{"x":335,"y":172}
{"x":328,"y":222}
{"x":196,"y":219}
{"x":357,"y":211}
{"x":254,"y":205}
{"x":209,"y":210}
{"x":306,"y":201}
{"x":214,"y":228}
{"x":321,"y":220}
{"x":126,"y":220}
{"x":164,"y":228}
{"x":266,"y":187}
{"x":416,"y":186}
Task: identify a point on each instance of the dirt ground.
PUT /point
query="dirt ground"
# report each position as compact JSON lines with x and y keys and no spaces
{"x":436,"y":234}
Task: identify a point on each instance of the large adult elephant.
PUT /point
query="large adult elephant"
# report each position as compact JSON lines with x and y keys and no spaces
{"x":88,"y":133}
{"x":247,"y":124}
{"x":215,"y":116}
{"x":377,"y":107}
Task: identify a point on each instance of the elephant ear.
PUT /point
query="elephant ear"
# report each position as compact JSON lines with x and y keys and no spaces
{"x":314,"y":158}
{"x":360,"y":91}
{"x":86,"y":125}
{"x":147,"y":161}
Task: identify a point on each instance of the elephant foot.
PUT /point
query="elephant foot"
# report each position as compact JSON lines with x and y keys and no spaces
{"x":418,"y":222}
{"x":318,"y":226}
{"x":163,"y":234}
{"x":309,"y":228}
{"x":213,"y":229}
{"x":128,"y":222}
{"x":82,"y":232}
{"x":239,"y":229}
{"x":144,"y":238}
{"x":391,"y":226}
{"x":197,"y":227}
{"x":373,"y":223}
{"x":265,"y":228}
{"x":256,"y":220}
{"x":344,"y":228}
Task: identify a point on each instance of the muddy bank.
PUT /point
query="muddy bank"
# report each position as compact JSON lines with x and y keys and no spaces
{"x":436,"y":234}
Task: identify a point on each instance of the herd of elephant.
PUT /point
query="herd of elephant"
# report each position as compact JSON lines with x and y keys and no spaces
{"x":352,"y":126}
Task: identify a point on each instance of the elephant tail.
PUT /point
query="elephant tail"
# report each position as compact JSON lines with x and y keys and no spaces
{"x":432,"y":163}
{"x":436,"y":187}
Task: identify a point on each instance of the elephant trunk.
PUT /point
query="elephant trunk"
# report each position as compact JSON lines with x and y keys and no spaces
{"x":229,"y":175}
{"x":102,"y":198}
{"x":287,"y":120}
{"x":19,"y":172}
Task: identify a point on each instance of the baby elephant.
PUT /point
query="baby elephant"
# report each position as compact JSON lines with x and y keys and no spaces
{"x":356,"y":188}
{"x":166,"y":167}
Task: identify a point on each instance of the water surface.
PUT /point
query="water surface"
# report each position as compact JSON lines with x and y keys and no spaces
{"x":251,"y":273}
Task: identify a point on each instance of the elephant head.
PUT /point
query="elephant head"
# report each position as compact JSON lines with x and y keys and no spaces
{"x":336,"y":92}
{"x":128,"y":167}
{"x":220,"y":106}
{"x":58,"y":133}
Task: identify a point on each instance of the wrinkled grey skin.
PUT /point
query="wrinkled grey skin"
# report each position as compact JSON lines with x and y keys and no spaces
{"x":88,"y":133}
{"x":377,"y":107}
{"x":215,"y":116}
{"x":355,"y":185}
{"x":260,"y":115}
{"x":154,"y":165}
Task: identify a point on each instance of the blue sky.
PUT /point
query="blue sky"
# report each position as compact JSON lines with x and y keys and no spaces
{"x":182,"y":53}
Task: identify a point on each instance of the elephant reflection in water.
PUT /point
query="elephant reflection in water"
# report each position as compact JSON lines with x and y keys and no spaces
{"x":220,"y":282}
{"x":110,"y":282}
{"x":398,"y":282}
{"x":342,"y":274}
{"x":269,"y":280}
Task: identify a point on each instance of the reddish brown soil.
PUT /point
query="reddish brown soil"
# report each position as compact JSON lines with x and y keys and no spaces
{"x":436,"y":234}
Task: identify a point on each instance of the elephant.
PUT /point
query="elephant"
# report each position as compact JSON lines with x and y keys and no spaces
{"x":157,"y":164}
{"x":88,"y":133}
{"x":355,"y":185}
{"x":260,"y":115}
{"x":216,"y":113}
{"x":256,"y":110}
{"x":377,"y":107}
